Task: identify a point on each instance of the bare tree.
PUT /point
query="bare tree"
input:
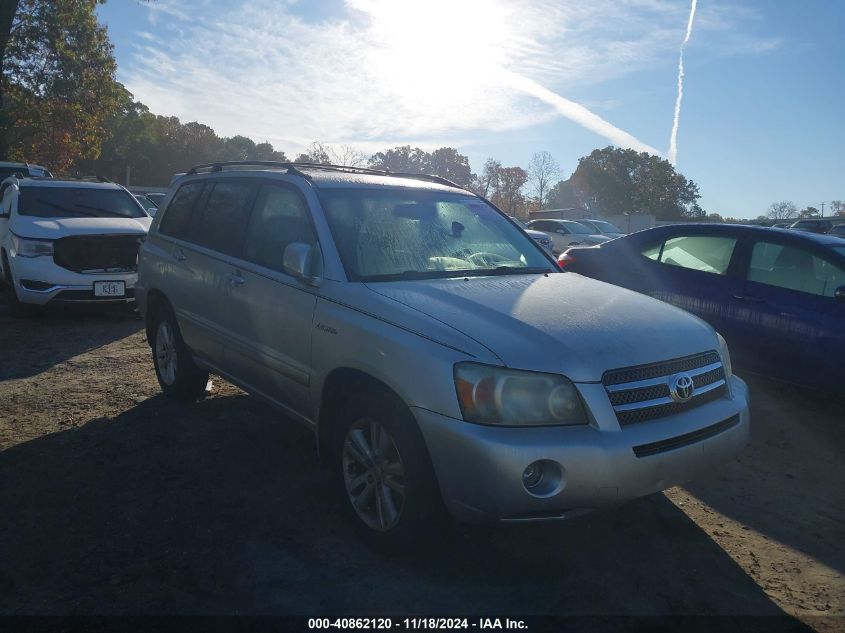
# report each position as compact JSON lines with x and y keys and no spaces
{"x":348,"y":156}
{"x":837,"y":207}
{"x":784,"y":210}
{"x":543,"y":172}
{"x":327,"y":155}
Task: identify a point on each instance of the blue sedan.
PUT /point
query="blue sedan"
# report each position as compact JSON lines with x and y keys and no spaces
{"x":777,"y":296}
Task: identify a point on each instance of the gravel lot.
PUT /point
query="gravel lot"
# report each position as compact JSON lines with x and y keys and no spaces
{"x":114,"y":500}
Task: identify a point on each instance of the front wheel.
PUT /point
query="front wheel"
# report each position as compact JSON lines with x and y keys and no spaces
{"x":385,"y":474}
{"x":177,"y":373}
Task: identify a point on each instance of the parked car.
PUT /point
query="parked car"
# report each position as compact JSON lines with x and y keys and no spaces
{"x":782,"y":225}
{"x":68,"y":241}
{"x":22,"y":170}
{"x":149,"y":206}
{"x":601,"y":227}
{"x":566,"y":233}
{"x":155,"y":197}
{"x":837,"y":230}
{"x":777,"y":296}
{"x":816,"y":225}
{"x":437,"y":352}
{"x":543,"y":239}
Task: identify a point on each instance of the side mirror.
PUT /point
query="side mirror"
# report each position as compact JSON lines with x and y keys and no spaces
{"x":839,"y":294}
{"x":297,"y":262}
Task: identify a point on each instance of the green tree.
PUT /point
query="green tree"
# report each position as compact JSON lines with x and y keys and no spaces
{"x":809,"y":212}
{"x":562,"y":196}
{"x":238,"y":148}
{"x":265,"y":151}
{"x":508,"y":194}
{"x":401,"y":159}
{"x":446,"y":162}
{"x":614,"y":180}
{"x":58,"y":83}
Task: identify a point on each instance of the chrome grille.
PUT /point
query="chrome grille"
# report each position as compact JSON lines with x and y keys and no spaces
{"x":641,"y":393}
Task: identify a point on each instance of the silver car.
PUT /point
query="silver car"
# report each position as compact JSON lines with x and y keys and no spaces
{"x":444,"y":363}
{"x":566,"y":233}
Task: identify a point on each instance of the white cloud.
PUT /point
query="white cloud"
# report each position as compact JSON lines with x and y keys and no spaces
{"x":385,"y":71}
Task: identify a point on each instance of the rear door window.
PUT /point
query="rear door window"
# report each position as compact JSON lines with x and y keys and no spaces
{"x":794,"y":268}
{"x":222,"y":223}
{"x":704,"y":253}
{"x":179,"y":213}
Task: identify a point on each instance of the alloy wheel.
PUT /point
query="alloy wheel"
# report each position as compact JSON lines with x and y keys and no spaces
{"x":166,"y":352}
{"x":374,"y":475}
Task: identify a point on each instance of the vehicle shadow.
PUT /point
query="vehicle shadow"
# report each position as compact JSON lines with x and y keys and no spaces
{"x":220,"y":507}
{"x":785,"y":484}
{"x":31,"y":345}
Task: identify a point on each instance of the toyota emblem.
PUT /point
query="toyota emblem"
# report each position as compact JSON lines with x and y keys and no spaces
{"x":681,"y":387}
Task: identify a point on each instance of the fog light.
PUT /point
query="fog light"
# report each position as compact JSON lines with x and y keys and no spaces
{"x":532,"y":475}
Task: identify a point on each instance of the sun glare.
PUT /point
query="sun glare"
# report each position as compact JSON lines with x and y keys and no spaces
{"x":418,"y":45}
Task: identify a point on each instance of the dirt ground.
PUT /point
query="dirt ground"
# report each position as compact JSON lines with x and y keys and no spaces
{"x":114,"y":500}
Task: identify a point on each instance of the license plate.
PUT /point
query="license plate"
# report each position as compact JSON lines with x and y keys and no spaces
{"x":109,"y":288}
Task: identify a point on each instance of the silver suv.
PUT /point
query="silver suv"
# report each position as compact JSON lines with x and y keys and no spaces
{"x":440,"y":356}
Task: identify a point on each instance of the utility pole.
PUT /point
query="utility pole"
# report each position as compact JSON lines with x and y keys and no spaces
{"x":822,"y":206}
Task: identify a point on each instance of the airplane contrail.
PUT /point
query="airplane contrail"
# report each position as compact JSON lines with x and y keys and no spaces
{"x":576,"y":112}
{"x":673,"y":138}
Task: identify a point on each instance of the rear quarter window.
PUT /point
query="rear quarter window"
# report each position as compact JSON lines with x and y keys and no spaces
{"x":179,"y":213}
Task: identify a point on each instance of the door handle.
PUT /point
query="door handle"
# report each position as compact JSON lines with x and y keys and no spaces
{"x":235,"y":278}
{"x":748,"y":298}
{"x":179,"y":255}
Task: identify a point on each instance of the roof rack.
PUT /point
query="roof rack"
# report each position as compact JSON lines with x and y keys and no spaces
{"x":429,"y":177}
{"x":213,"y":167}
{"x":294,"y":168}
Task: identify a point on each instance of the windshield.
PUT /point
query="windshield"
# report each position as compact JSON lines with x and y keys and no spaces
{"x":575,"y":227}
{"x":605,"y":227}
{"x":73,"y":202}
{"x":389,"y":234}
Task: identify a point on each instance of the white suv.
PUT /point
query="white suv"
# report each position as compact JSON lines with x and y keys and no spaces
{"x":68,"y":241}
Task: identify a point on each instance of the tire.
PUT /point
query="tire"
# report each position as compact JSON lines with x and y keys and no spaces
{"x":17,"y":309}
{"x":403,"y":508}
{"x":177,"y":373}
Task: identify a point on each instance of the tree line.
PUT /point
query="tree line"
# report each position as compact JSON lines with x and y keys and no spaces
{"x":62,"y":106}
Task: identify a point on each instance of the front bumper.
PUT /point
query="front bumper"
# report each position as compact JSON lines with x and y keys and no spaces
{"x":59,"y":285}
{"x":479,"y":468}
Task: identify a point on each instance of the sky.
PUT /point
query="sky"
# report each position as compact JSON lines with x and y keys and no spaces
{"x":760,"y":119}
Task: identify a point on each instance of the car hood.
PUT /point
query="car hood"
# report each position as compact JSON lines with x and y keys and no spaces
{"x":55,"y":228}
{"x":561,"y":322}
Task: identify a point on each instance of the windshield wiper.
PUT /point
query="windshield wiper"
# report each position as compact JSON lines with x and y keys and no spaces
{"x":508,"y":270}
{"x":455,"y":273}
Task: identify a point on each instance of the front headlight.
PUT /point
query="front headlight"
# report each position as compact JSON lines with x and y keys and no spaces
{"x":31,"y":248}
{"x":508,"y":397}
{"x":726,"y":357}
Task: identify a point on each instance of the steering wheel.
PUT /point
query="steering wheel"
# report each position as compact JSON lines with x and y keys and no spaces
{"x":487,"y":259}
